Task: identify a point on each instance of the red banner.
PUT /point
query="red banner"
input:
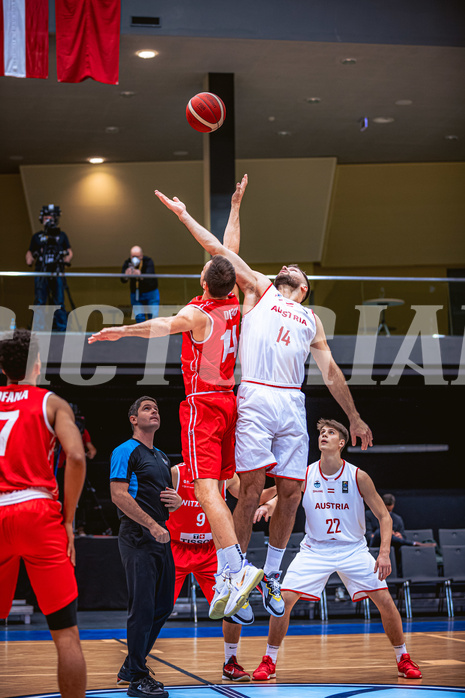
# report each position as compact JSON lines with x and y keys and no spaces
{"x":87,"y":35}
{"x":24,"y":38}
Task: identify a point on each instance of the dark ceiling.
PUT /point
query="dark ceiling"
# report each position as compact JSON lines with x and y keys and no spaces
{"x":50,"y":122}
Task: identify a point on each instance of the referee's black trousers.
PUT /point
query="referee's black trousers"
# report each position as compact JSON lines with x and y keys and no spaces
{"x":150,"y":576}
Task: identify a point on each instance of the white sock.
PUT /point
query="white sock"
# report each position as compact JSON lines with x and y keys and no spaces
{"x":273,"y":559}
{"x":220,"y":556}
{"x":400,"y":650}
{"x":272,"y":652}
{"x":234,"y":557}
{"x":230,"y":650}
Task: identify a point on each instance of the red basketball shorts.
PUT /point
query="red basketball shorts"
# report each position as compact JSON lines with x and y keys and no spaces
{"x":34,"y":531}
{"x":200,"y":560}
{"x":208,"y":425}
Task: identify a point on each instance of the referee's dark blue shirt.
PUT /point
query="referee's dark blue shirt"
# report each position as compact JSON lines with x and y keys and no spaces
{"x":148,"y":472}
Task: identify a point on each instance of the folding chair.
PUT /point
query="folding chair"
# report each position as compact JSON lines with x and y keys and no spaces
{"x":419,"y":534}
{"x":401,"y":584}
{"x":451,"y":536}
{"x":420,"y":568}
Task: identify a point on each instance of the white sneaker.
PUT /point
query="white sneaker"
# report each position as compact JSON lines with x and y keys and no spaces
{"x":241,"y":584}
{"x":221,"y":596}
{"x":244,"y":616}
{"x":270,"y":589}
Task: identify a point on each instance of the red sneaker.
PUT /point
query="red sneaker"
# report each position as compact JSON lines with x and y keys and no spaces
{"x":408,"y":669}
{"x":234,"y":672}
{"x":266,"y":670}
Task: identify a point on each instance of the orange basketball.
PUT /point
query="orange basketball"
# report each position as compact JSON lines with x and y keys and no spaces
{"x":205,"y":112}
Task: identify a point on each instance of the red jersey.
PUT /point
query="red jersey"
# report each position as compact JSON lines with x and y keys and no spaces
{"x":208,"y":366}
{"x":27,"y":441}
{"x":188,"y":524}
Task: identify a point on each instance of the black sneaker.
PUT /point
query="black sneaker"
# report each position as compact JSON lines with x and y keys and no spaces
{"x":147,"y":686}
{"x":123,"y":677}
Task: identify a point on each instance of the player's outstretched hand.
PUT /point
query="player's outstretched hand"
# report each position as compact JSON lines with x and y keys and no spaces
{"x":240,"y":191}
{"x":108,"y":334}
{"x":383,"y":566}
{"x":171,"y":499}
{"x":359,"y":428}
{"x":70,"y":551}
{"x":173,"y":204}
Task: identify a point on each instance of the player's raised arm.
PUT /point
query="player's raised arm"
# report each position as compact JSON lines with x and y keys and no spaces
{"x":232,"y":233}
{"x":247,"y":279}
{"x":188,"y":319}
{"x":336,"y":384}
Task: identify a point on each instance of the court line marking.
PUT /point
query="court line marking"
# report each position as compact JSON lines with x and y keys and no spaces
{"x":224,"y":690}
{"x":444,"y":637}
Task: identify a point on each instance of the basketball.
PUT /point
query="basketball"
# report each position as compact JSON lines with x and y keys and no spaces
{"x":205,"y":112}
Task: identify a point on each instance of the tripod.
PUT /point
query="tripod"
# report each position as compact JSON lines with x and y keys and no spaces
{"x":89,"y":495}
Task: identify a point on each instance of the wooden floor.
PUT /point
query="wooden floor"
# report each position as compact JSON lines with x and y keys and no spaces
{"x":30,"y":667}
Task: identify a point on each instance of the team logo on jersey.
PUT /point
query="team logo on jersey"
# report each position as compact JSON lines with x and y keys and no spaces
{"x":317,"y":484}
{"x":345,"y":487}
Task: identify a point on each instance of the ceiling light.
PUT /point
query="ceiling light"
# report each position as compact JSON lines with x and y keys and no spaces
{"x":451,"y":137}
{"x":403,"y":102}
{"x":271,"y":118}
{"x":127,"y":93}
{"x":284,"y":133}
{"x":112,"y":129}
{"x":348,"y":61}
{"x":95,"y":161}
{"x":383,"y":119}
{"x":146,"y":53}
{"x":181,"y":153}
{"x":313,"y":100}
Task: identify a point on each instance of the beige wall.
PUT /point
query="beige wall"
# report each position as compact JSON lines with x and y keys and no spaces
{"x":409,"y":214}
{"x":108,"y":208}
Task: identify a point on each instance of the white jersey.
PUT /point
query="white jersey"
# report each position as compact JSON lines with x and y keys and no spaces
{"x":334,"y":508}
{"x":275,"y":341}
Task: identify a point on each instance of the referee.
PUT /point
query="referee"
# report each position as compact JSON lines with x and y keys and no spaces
{"x":141,"y":487}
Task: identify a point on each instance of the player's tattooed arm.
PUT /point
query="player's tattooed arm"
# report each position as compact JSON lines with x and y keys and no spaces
{"x":232,"y":233}
{"x":249,"y":281}
{"x":337,"y":386}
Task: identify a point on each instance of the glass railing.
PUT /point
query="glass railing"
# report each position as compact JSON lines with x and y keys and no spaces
{"x":347,"y":305}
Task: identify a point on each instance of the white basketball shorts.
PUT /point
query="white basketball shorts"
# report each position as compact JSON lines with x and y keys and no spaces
{"x":271,"y":431}
{"x":317,"y":560}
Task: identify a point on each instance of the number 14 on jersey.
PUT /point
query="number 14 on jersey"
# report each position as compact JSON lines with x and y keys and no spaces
{"x":284,"y":336}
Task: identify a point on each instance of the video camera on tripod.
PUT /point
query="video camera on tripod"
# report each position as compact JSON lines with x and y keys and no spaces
{"x":52,"y":255}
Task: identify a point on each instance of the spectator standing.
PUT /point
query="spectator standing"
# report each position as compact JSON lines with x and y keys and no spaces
{"x":144,"y":292}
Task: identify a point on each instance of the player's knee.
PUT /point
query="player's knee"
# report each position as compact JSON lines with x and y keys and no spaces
{"x":65,"y":618}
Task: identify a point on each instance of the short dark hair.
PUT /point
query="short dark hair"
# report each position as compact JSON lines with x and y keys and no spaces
{"x":220,"y":276}
{"x":389,"y":499}
{"x":18,"y":353}
{"x":296,"y":266}
{"x":134,"y":409}
{"x":343,"y":433}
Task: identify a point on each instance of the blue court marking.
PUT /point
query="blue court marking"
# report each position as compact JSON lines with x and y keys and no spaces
{"x":286,"y":690}
{"x":9,"y":635}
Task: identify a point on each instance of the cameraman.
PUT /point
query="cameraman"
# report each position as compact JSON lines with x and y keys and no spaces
{"x":51,"y":250}
{"x":144,"y":292}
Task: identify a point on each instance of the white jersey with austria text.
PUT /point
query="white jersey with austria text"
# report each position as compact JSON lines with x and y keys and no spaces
{"x":275,"y":341}
{"x":334,"y":508}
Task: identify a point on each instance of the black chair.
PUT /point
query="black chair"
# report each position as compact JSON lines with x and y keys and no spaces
{"x":451,"y":536}
{"x":295,"y":540}
{"x":257,"y":556}
{"x":454,"y":563}
{"x":418,"y":535}
{"x":401,"y":584}
{"x":419,"y":566}
{"x":257,"y":539}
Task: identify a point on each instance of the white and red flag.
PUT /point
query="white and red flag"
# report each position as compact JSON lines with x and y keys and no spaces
{"x":88,"y":33}
{"x":24,"y":38}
